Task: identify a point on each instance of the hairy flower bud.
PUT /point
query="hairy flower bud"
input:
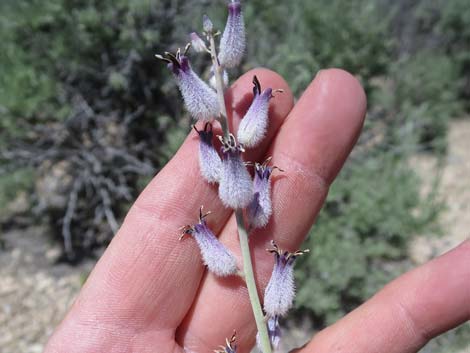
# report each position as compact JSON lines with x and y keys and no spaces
{"x":235,"y":185}
{"x":229,"y":347}
{"x":207,"y":24}
{"x":280,"y":291}
{"x":232,"y":44}
{"x":215,"y":256}
{"x":254,"y":125}
{"x":197,"y":43}
{"x":200,"y":100}
{"x":209,"y":160}
{"x":274,"y":332}
{"x":260,"y":208}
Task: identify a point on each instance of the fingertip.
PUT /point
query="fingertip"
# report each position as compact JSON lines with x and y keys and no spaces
{"x":325,"y":122}
{"x":350,"y":92}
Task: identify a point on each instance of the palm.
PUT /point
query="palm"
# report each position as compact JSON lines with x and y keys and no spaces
{"x":150,"y":292}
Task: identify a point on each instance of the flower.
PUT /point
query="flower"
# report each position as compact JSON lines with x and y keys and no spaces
{"x":200,"y":100}
{"x":230,"y":346}
{"x":209,"y":160}
{"x":197,"y":43}
{"x":253,"y":126}
{"x":232,"y":44}
{"x":207,"y":24}
{"x":215,"y":256}
{"x":235,"y":185}
{"x":274,"y":332}
{"x":280,"y":291}
{"x":260,"y":208}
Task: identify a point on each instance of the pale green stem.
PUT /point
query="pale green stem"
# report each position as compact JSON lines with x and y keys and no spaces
{"x":248,"y":273}
{"x":219,"y":85}
{"x":251,"y":284}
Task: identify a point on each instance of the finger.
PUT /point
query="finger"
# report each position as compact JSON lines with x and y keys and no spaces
{"x":147,"y":278}
{"x":311,"y":146}
{"x":408,"y":312}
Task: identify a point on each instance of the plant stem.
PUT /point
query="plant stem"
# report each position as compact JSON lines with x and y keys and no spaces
{"x":251,"y":284}
{"x":219,"y":84}
{"x":242,"y":232}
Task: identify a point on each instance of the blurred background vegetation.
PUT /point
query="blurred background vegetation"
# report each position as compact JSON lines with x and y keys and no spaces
{"x":87,"y":116}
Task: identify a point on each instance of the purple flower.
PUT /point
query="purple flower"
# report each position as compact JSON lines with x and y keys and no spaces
{"x":274,"y":332}
{"x":235,"y":185}
{"x":215,"y":256}
{"x":200,"y":100}
{"x":230,"y":346}
{"x":260,"y":208}
{"x":253,"y":127}
{"x":232,"y":44}
{"x":280,"y":292}
{"x":209,"y":160}
{"x":207,"y":24}
{"x":197,"y":43}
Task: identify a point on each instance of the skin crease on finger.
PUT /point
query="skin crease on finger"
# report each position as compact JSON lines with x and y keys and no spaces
{"x":311,"y":145}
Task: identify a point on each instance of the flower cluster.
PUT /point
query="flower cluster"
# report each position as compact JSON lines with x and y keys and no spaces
{"x":225,"y":167}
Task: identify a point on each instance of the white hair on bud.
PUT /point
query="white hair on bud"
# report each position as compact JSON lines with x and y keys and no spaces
{"x":235,"y":185}
{"x":254,"y":125}
{"x":280,"y":291}
{"x":232,"y":44}
{"x":200,"y":100}
{"x":210,"y":163}
{"x":259,"y":210}
{"x":215,"y":256}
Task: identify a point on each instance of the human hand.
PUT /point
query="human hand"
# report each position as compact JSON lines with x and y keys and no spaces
{"x":149,"y":291}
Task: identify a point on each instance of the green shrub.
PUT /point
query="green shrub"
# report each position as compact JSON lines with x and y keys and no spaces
{"x":299,"y":38}
{"x":360,"y":239}
{"x":449,"y":22}
{"x":421,"y":99}
{"x":83,"y":94}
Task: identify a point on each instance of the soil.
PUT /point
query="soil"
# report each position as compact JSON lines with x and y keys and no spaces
{"x":35,"y":291}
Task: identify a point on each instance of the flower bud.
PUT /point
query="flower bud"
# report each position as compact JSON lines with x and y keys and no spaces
{"x":280,"y":291}
{"x":260,"y":208}
{"x":207,"y":24}
{"x":197,"y":43}
{"x":274,"y":332}
{"x":232,"y":44}
{"x":235,"y":185}
{"x":200,"y":100}
{"x":254,"y":125}
{"x":209,"y":160}
{"x":215,"y":256}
